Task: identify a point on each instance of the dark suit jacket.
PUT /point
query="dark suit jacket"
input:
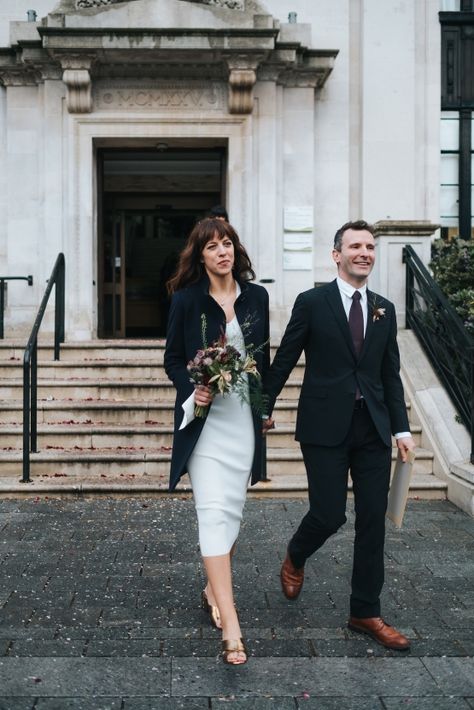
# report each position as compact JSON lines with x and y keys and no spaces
{"x":319,"y":326}
{"x":184,"y":339}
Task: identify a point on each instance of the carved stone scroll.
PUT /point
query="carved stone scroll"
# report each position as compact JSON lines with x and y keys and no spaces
{"x":242,"y":79}
{"x":76,"y":76}
{"x":241,"y":83}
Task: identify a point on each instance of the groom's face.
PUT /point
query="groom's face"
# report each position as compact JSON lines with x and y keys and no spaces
{"x":356,"y":259}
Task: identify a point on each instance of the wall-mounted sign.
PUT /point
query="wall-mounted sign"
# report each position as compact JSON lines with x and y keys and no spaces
{"x":298,"y":219}
{"x":297,"y":251}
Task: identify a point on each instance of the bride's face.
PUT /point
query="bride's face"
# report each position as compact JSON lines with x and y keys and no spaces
{"x":218,"y":256}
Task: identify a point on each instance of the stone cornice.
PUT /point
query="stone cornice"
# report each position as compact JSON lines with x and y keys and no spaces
{"x":405,"y":228}
{"x":58,"y":36}
{"x":240,"y":55}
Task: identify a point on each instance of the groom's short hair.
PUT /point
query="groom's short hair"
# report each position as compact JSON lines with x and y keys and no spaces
{"x":359,"y":224}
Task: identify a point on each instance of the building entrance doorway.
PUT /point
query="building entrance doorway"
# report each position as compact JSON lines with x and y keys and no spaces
{"x":149,"y":200}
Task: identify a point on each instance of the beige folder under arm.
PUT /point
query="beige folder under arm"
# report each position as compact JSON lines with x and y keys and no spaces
{"x":398,"y":494}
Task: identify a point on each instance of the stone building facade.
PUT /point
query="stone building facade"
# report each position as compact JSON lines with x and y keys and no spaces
{"x":123,"y":121}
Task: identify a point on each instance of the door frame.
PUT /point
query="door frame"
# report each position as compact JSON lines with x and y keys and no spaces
{"x":117,"y":288}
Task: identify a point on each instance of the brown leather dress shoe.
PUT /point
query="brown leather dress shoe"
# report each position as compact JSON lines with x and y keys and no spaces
{"x":291,"y":578}
{"x":383,"y":633}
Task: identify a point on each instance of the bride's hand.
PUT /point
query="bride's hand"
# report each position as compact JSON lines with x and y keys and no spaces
{"x":202,"y":396}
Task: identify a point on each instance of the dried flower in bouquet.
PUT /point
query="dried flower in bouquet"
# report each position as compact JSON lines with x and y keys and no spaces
{"x":222,"y":368}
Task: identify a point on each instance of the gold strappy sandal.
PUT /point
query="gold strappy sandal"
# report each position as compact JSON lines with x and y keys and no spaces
{"x":212,"y":610}
{"x":233,"y":646}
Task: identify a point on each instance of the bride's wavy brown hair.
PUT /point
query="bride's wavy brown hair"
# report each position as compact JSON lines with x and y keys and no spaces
{"x":190,"y":267}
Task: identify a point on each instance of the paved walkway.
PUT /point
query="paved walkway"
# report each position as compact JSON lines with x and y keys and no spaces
{"x":99,"y":609}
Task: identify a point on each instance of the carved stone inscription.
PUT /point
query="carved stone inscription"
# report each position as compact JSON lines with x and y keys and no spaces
{"x":192,"y":96}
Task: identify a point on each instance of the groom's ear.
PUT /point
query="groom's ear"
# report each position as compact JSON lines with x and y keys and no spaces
{"x":336,"y":255}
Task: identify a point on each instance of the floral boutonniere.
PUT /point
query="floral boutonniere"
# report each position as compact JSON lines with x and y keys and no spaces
{"x":377,"y":311}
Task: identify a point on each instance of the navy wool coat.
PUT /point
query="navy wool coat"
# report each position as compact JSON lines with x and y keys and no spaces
{"x":184,"y":339}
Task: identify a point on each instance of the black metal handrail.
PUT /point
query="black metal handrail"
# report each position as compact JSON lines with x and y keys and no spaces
{"x":2,"y":295}
{"x":443,"y":336}
{"x":30,"y":361}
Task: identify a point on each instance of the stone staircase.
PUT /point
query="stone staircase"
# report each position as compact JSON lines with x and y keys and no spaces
{"x":105,"y":415}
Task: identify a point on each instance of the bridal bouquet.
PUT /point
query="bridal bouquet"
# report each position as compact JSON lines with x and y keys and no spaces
{"x":222,"y":368}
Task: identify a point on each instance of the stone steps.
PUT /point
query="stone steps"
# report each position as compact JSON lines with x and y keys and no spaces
{"x":105,"y":414}
{"x":98,"y":435}
{"x":88,"y":411}
{"x":95,"y":350}
{"x":116,"y":483}
{"x":114,"y":412}
{"x":140,"y":369}
{"x":151,"y":459}
{"x":121,"y":390}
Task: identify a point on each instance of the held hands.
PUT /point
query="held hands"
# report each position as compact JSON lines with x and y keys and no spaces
{"x":267,"y":424}
{"x":405,"y":444}
{"x":202,"y":396}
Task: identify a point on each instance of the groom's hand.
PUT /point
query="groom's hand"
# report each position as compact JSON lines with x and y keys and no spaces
{"x":405,"y":444}
{"x":267,"y":424}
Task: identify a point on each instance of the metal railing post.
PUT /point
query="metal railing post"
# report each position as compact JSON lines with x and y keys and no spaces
{"x":26,"y":420}
{"x":34,"y":398}
{"x":30,"y":360}
{"x":472,"y":406}
{"x":59,"y":299}
{"x":2,"y":306}
{"x":409,"y":282}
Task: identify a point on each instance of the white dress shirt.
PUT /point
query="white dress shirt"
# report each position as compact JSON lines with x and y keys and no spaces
{"x":347,"y":291}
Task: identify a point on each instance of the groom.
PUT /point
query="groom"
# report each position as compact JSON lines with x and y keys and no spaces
{"x":351,"y":403}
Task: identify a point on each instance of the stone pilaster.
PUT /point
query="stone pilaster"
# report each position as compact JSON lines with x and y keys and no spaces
{"x":388,"y":276}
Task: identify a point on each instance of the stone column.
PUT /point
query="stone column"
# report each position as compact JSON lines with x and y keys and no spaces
{"x":388,"y":276}
{"x":3,"y":179}
{"x":297,"y":156}
{"x":267,"y":240}
{"x":23,"y":210}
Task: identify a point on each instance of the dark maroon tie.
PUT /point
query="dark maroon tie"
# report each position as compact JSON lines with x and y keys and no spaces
{"x":356,"y":325}
{"x":356,"y":322}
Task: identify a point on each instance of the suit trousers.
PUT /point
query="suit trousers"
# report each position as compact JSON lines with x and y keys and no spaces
{"x":327,"y":468}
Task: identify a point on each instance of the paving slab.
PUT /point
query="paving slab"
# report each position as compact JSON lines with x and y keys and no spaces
{"x":9,"y":703}
{"x":337,"y":703}
{"x":431,"y":703}
{"x":454,"y":676}
{"x":318,"y":676}
{"x":94,"y":703}
{"x":99,"y":609}
{"x":257,"y":703}
{"x":67,"y":677}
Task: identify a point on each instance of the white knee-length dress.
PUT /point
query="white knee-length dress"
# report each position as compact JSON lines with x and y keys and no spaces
{"x":220,"y":465}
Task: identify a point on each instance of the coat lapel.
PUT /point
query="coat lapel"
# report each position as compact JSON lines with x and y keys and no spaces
{"x":370,"y":323}
{"x":244,"y":315}
{"x":335,"y":303}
